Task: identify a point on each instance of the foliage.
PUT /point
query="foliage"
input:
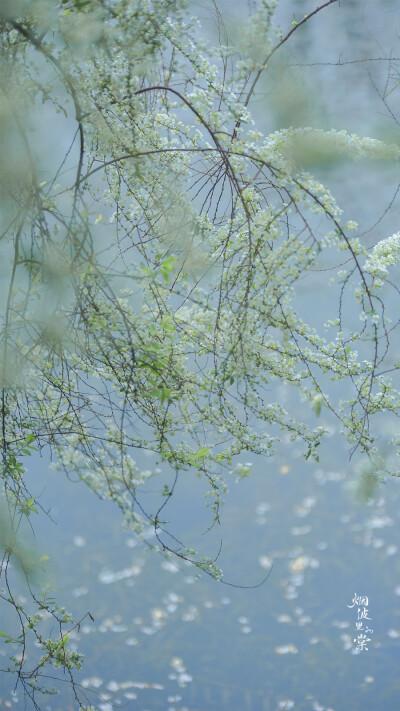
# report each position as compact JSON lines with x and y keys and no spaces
{"x":150,"y":298}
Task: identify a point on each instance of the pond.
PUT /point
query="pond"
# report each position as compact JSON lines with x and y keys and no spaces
{"x":162,"y":638}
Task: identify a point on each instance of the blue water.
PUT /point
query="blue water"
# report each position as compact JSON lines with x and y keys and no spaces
{"x":285,"y":644}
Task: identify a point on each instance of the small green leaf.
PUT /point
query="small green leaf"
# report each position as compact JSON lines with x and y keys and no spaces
{"x":200,"y":454}
{"x":167,"y":324}
{"x":167,"y":266}
{"x":165,"y":394}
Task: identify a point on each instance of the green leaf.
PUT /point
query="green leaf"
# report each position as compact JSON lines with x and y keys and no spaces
{"x":317,"y":408}
{"x":165,"y":394}
{"x":200,"y":454}
{"x":167,"y":324}
{"x":167,"y":266}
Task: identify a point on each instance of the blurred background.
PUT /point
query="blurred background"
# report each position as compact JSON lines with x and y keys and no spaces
{"x":162,"y":638}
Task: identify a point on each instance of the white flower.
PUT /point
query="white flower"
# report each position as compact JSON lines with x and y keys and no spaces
{"x":386,"y":253}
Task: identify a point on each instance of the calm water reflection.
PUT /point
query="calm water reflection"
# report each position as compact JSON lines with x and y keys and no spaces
{"x":163,"y":639}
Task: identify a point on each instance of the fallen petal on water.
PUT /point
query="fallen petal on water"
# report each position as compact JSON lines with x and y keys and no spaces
{"x":286,"y":649}
{"x":284,"y":618}
{"x":93,"y":681}
{"x":265,"y":561}
{"x":148,"y":630}
{"x":107,"y":576}
{"x":177,"y":663}
{"x":262,"y":508}
{"x":131,"y":542}
{"x":112,"y":686}
{"x":158,"y":613}
{"x":379,"y":522}
{"x":391,"y":550}
{"x":169,"y":566}
{"x":299,"y":563}
{"x":79,"y":541}
{"x":300,"y":530}
{"x":341,"y":624}
{"x":184,"y":679}
{"x":190,"y":614}
{"x":393,"y":634}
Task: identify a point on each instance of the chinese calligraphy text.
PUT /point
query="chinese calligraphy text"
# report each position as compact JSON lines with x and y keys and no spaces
{"x":363,"y":630}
